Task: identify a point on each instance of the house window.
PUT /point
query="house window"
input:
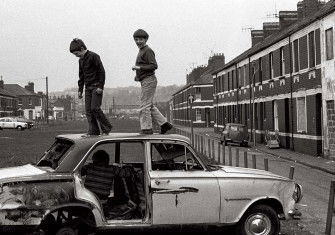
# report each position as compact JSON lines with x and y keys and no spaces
{"x":198,"y":115}
{"x":260,"y":69}
{"x":329,"y":44}
{"x":198,"y":93}
{"x":296,"y":55}
{"x":311,"y":49}
{"x":245,"y":75}
{"x":19,"y":101}
{"x":282,"y":62}
{"x":271,"y":65}
{"x":222,"y":85}
{"x":233,"y":79}
{"x":301,"y":114}
{"x":215,"y":85}
{"x":239,"y":82}
{"x":228,"y":81}
{"x":30,"y":101}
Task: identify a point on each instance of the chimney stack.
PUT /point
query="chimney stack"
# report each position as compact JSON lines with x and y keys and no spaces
{"x":307,"y":8}
{"x":256,"y":36}
{"x":270,"y":28}
{"x":286,"y":18}
{"x":30,"y":87}
{"x":216,"y":61}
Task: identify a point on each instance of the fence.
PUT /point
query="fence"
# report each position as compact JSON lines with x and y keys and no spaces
{"x":214,"y":150}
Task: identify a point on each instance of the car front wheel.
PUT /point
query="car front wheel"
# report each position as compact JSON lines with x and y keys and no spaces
{"x":19,"y":128}
{"x":66,"y":231}
{"x":259,"y":220}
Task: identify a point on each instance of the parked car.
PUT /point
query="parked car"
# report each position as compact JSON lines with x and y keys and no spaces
{"x":30,"y":123}
{"x":12,"y":123}
{"x":235,"y":133}
{"x":159,"y":181}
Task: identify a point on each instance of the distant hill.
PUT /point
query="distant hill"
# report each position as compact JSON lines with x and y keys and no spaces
{"x":126,"y":95}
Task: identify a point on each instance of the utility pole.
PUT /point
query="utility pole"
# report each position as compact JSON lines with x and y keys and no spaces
{"x":74,"y":107}
{"x":113,"y":109}
{"x":47,"y":93}
{"x":190,"y":100}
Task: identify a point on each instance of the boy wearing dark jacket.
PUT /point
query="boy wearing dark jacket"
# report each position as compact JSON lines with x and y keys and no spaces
{"x":92,"y":76}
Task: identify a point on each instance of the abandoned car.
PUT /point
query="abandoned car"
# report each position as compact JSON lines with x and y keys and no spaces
{"x":128,"y":180}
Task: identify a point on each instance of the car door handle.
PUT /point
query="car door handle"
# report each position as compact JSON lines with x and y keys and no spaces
{"x":158,"y":182}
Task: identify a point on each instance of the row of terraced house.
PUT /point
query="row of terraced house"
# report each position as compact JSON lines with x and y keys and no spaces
{"x":286,"y":79}
{"x":19,"y":101}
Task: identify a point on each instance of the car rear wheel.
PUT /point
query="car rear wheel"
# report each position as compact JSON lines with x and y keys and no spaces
{"x":259,"y":220}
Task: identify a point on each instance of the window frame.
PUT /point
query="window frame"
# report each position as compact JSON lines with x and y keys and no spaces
{"x":150,"y":142}
{"x":305,"y":116}
{"x":296,"y":59}
{"x":282,"y":61}
{"x":313,"y":45}
{"x":271,"y":65}
{"x":329,"y":48}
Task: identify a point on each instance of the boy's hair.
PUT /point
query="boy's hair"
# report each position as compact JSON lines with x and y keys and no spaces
{"x":140,"y":33}
{"x":76,"y":45}
{"x":101,"y":156}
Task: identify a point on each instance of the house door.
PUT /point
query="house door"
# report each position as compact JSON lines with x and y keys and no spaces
{"x":207,"y":116}
{"x":30,"y":114}
{"x":275,"y":115}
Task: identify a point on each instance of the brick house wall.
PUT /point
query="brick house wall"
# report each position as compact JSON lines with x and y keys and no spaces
{"x":276,"y":86}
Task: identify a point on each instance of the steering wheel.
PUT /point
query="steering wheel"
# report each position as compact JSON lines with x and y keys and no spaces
{"x":189,"y":163}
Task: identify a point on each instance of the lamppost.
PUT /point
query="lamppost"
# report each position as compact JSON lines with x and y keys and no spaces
{"x":190,"y":100}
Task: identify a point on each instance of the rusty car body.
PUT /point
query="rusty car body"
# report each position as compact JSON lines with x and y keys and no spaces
{"x":174,"y":187}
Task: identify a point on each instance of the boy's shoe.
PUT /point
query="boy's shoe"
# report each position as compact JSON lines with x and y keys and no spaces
{"x":107,"y":131}
{"x":89,"y":135}
{"x":147,"y":131}
{"x":166,"y":127}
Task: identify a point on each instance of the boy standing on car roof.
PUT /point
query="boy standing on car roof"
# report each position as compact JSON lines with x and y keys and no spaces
{"x":145,"y":67}
{"x":92,"y":75}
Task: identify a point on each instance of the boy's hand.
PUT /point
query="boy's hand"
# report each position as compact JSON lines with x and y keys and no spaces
{"x":99,"y":91}
{"x":80,"y":95}
{"x":136,"y":67}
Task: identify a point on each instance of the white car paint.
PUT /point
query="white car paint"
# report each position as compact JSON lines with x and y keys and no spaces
{"x":12,"y":123}
{"x":20,"y":171}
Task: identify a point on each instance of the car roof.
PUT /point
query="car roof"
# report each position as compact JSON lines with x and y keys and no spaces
{"x":78,"y":138}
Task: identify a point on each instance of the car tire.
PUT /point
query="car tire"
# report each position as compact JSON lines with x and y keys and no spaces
{"x":66,"y":231}
{"x":260,"y":219}
{"x":19,"y":128}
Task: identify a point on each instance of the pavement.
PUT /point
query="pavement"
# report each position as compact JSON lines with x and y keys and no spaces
{"x":319,"y":163}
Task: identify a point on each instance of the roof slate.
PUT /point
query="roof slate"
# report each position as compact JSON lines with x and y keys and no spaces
{"x":17,"y":90}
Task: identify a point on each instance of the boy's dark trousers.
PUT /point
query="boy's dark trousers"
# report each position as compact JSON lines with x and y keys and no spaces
{"x":94,"y":113}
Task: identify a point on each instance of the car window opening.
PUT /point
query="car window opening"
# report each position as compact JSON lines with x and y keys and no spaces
{"x":114,"y":173}
{"x":53,"y":157}
{"x":166,"y":156}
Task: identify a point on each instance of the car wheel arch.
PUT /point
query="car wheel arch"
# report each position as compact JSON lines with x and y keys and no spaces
{"x":82,"y":210}
{"x":271,"y":202}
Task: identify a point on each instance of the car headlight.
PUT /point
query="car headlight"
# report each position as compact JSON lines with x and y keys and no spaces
{"x":297,"y":194}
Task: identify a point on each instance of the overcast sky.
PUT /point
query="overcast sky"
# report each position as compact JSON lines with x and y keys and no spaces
{"x":35,"y":36}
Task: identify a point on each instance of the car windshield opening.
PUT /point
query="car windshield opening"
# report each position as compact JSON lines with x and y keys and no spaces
{"x":53,"y":157}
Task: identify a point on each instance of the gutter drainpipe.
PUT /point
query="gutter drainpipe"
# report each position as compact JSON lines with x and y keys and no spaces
{"x":291,"y":91}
